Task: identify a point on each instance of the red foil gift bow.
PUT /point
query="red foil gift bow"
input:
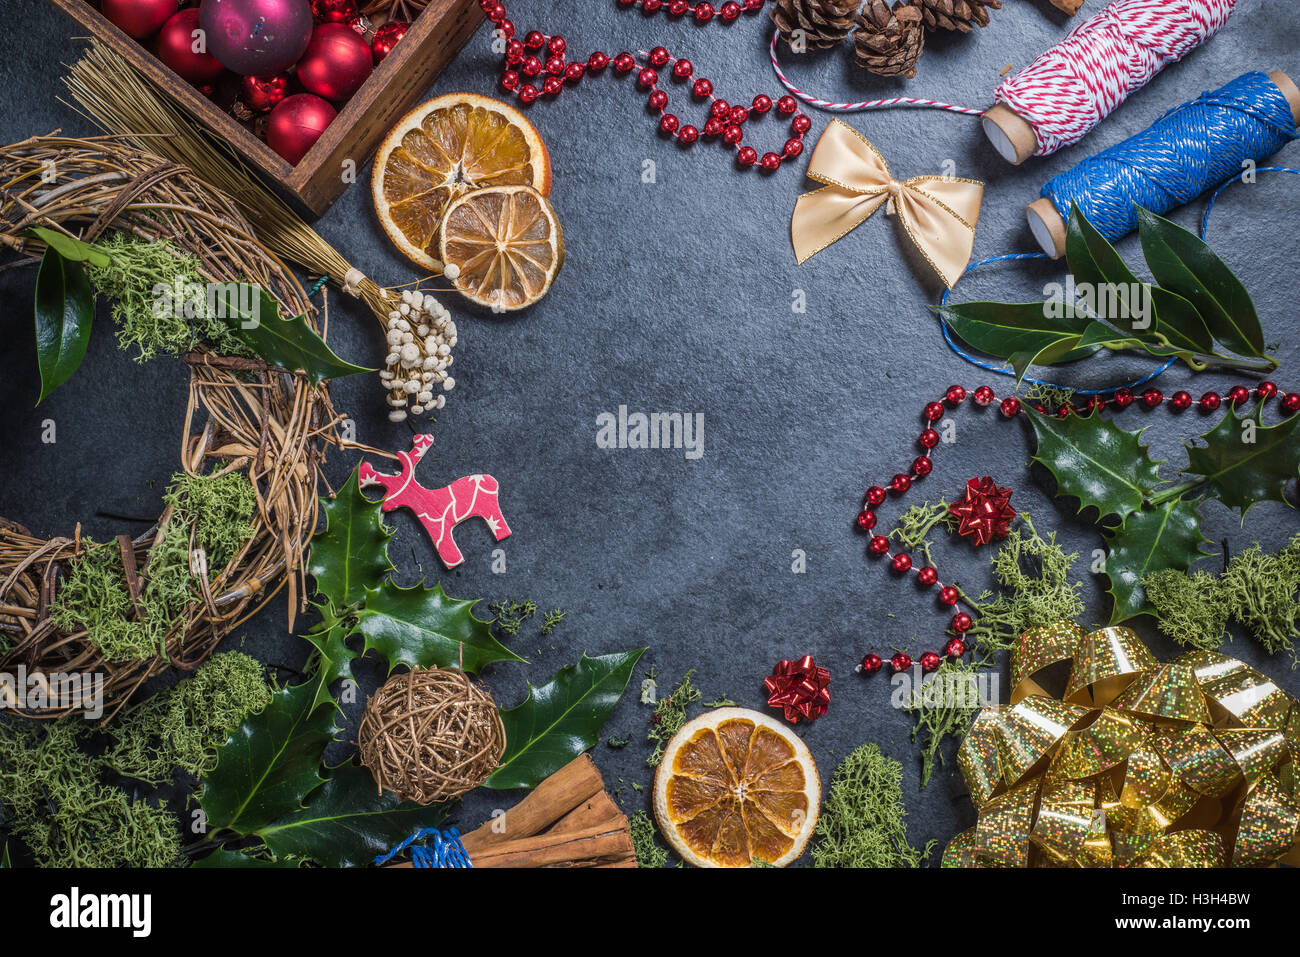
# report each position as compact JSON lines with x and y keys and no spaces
{"x":985,"y":511}
{"x":799,"y":688}
{"x":1190,"y":763}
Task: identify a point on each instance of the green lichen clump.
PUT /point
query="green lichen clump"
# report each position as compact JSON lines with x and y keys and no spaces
{"x":944,"y":706}
{"x":862,"y":822}
{"x":95,"y":598}
{"x":669,"y":716}
{"x":54,"y":803}
{"x":150,"y":320}
{"x":180,"y":729}
{"x":644,"y":834}
{"x":509,"y":616}
{"x":1258,"y":590}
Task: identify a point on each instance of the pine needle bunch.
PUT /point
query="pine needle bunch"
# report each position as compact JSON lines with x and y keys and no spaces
{"x":863,"y":820}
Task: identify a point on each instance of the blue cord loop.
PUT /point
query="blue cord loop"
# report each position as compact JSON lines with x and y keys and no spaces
{"x":1160,"y":370}
{"x":444,"y":849}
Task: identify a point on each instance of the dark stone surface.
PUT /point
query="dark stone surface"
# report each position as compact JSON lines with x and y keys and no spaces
{"x":676,"y":296}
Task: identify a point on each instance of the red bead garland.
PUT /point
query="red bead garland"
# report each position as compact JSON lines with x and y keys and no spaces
{"x":927,"y":576}
{"x":725,"y":121}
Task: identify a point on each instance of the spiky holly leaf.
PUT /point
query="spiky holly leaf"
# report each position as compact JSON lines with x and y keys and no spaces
{"x":1095,"y":461}
{"x":422,"y":627}
{"x":225,"y":858}
{"x":561,"y":719}
{"x":348,"y":822}
{"x":1167,"y":536}
{"x":270,"y":763}
{"x":1245,"y":462}
{"x":333,"y":658}
{"x":351,"y":553}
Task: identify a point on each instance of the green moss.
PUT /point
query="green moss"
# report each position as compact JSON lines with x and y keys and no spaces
{"x":145,"y":321}
{"x":669,"y":716}
{"x":94,"y":597}
{"x":1050,"y":397}
{"x":180,"y":729}
{"x":55,"y":804}
{"x":645,"y":840}
{"x":862,"y":822}
{"x":943,"y":706}
{"x":1260,"y":589}
{"x":1190,"y":608}
{"x":509,"y":616}
{"x":552,"y":620}
{"x":220,"y":508}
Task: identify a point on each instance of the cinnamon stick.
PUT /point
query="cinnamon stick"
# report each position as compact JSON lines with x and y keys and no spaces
{"x":566,"y":789}
{"x":590,"y":847}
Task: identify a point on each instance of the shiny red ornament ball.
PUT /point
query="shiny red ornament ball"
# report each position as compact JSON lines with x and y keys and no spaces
{"x":658,"y":56}
{"x":259,"y":37}
{"x":534,"y":40}
{"x":647,"y":78}
{"x":386,"y":38}
{"x":336,"y":63}
{"x":738,"y":115}
{"x":703,"y":12}
{"x":552,"y":86}
{"x":770,"y":162}
{"x":729,"y":10}
{"x":762,"y":103}
{"x":901,"y":661}
{"x":702,"y":87}
{"x":787,"y":104}
{"x":732,"y":134}
{"x":927,"y":575}
{"x":668,"y":123}
{"x":900,"y":483}
{"x":875,"y":495}
{"x":866,"y":519}
{"x":793,"y":147}
{"x":955,"y":648}
{"x":1238,"y":395}
{"x":262,"y":93}
{"x":531,"y":66}
{"x":984,"y":396}
{"x":1180,"y":401}
{"x":1010,"y":407}
{"x":922,"y":466}
{"x":514,"y":51}
{"x":297,"y":123}
{"x":683,"y":68}
{"x":1291,"y":403}
{"x":175,"y":47}
{"x":624,"y":62}
{"x":510,"y":80}
{"x":928,"y":439}
{"x":746,"y":155}
{"x":1123,"y":398}
{"x":930,"y":661}
{"x":801,"y":124}
{"x":955,"y":395}
{"x":712,"y":126}
{"x":139,"y":18}
{"x":528,"y":93}
{"x":555,"y":65}
{"x":597,"y":61}
{"x":879,"y":545}
{"x":657,"y":99}
{"x":1265,"y":390}
{"x":902,"y":562}
{"x":948,"y":595}
{"x":719,"y":109}
{"x":871,"y":663}
{"x":688,"y":134}
{"x":961,"y":622}
{"x":1152,"y":398}
{"x":334,"y":11}
{"x":557,"y":45}
{"x":573,"y":71}
{"x":1210,"y":401}
{"x":933,"y":411}
{"x":678,"y":8}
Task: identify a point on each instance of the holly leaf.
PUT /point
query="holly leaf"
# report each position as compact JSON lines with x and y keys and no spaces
{"x":224,"y":857}
{"x":424,"y":628}
{"x":270,"y":763}
{"x":348,"y":822}
{"x":1245,"y":462}
{"x":288,"y":343}
{"x":4,"y":856}
{"x":561,"y":719}
{"x":1167,"y":536}
{"x":1026,"y":333}
{"x":73,"y":250}
{"x":65,"y":309}
{"x":1183,"y":264}
{"x":351,"y":553}
{"x":333,"y":659}
{"x":1095,"y":461}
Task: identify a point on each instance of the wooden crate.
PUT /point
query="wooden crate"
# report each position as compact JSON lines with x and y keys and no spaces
{"x":396,"y":84}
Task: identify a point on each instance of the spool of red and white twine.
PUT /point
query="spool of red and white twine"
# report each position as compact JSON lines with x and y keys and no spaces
{"x":1064,"y":93}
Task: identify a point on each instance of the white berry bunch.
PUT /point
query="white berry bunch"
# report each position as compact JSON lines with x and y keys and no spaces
{"x":421,"y":335}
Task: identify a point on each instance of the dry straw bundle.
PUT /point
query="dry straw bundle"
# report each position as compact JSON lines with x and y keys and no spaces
{"x":242,"y":415}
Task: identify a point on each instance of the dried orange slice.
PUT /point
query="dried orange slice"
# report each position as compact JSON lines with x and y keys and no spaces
{"x":506,"y":243}
{"x":442,"y":149}
{"x":735,"y":788}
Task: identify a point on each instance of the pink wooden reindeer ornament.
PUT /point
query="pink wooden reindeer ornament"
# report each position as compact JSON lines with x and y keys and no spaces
{"x":439,"y":510}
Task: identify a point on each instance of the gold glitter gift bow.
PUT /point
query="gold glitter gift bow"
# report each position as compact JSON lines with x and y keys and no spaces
{"x":1191,"y":763}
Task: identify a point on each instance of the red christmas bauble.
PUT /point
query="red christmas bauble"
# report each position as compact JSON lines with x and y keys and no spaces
{"x":336,"y":63}
{"x":386,"y":38}
{"x":176,"y":48}
{"x":139,"y":18}
{"x":257,"y":37}
{"x":334,"y":11}
{"x":261,"y":93}
{"x":297,"y":123}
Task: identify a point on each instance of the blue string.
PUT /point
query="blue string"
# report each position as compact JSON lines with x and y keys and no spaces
{"x":1192,"y":148}
{"x":1000,"y":370}
{"x":446,"y":850}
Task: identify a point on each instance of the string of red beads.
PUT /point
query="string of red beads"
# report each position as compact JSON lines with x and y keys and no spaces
{"x":878,"y":546}
{"x":543,"y":56}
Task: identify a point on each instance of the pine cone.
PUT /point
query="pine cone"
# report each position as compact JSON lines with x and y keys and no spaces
{"x":824,"y":22}
{"x":889,"y":41}
{"x":960,"y":15}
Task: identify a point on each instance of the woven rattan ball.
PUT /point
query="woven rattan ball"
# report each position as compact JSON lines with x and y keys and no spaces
{"x":430,"y":735}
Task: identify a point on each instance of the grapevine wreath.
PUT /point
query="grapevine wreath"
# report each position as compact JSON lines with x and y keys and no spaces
{"x":244,"y":416}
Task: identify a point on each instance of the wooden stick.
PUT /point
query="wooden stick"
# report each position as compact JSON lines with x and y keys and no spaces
{"x":566,"y":789}
{"x":590,"y":847}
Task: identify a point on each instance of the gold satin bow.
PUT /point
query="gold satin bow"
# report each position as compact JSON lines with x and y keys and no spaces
{"x":938,"y":212}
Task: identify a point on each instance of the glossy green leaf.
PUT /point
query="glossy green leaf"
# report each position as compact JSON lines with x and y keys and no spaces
{"x":4,"y":856}
{"x":1167,"y":536}
{"x":561,"y":719}
{"x":351,"y":552}
{"x":65,"y":309}
{"x":347,"y":822}
{"x":1245,"y":462}
{"x":1025,"y":333}
{"x":224,"y":858}
{"x":1095,"y":461}
{"x":288,"y":343}
{"x":73,"y":250}
{"x":270,"y":763}
{"x":423,"y":627}
{"x":333,"y":658}
{"x":1183,"y":264}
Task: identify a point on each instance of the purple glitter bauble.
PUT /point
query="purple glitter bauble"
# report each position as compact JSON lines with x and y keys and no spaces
{"x":256,"y":37}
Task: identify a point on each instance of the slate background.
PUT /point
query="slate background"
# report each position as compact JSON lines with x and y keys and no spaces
{"x":676,"y":296}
